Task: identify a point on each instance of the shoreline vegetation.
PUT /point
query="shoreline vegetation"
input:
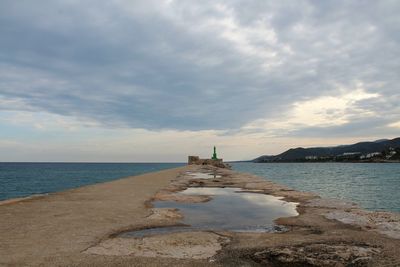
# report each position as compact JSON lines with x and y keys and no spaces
{"x":85,"y":226}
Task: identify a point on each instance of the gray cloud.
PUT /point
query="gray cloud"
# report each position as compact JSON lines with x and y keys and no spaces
{"x":196,"y":65}
{"x":363,"y":128}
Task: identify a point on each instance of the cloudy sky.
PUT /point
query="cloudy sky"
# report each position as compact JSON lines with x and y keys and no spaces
{"x":156,"y":80}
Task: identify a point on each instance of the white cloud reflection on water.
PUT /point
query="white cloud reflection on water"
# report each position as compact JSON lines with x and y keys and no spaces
{"x":256,"y":199}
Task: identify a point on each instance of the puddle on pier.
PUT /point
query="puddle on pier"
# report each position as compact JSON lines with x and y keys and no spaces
{"x":229,"y":209}
{"x":203,"y":175}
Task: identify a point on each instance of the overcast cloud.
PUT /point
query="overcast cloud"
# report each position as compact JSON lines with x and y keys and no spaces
{"x":274,"y":69}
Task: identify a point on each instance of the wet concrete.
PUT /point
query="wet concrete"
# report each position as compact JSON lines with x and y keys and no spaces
{"x":310,"y":238}
{"x":203,"y":175}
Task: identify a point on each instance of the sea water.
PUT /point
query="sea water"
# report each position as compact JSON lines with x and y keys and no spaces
{"x":25,"y":179}
{"x":229,"y":209}
{"x":374,"y":186}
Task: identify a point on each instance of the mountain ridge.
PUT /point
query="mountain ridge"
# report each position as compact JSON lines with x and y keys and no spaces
{"x":363,"y":148}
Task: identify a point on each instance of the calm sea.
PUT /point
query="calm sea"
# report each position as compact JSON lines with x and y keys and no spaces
{"x":374,"y":186}
{"x":24,"y":179}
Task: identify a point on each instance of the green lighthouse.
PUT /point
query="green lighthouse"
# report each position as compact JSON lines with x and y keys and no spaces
{"x":214,"y":156}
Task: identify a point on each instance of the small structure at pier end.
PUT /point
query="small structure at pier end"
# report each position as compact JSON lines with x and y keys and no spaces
{"x":214,"y":161}
{"x":214,"y":156}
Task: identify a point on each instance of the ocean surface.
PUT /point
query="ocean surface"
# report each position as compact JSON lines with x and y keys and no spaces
{"x":374,"y":186}
{"x":24,"y":179}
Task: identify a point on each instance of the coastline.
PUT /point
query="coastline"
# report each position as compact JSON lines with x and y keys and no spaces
{"x":21,"y":199}
{"x":37,"y":178}
{"x":320,"y":161}
{"x":54,"y":229}
{"x":82,"y":219}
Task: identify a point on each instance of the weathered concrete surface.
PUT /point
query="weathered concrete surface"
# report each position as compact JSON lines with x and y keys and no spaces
{"x":183,"y":245}
{"x":316,"y":254}
{"x":313,"y":239}
{"x":80,"y":228}
{"x":386,"y":223}
{"x":53,"y":230}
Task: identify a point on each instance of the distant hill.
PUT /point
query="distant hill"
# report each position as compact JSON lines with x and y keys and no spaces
{"x":300,"y":153}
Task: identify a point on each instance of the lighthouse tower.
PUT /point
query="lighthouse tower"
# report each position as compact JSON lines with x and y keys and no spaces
{"x":214,"y":156}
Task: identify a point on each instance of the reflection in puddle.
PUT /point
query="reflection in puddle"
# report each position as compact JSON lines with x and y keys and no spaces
{"x":231,"y":209}
{"x":203,"y":175}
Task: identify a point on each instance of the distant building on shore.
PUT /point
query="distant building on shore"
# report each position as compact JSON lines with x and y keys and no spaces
{"x":214,"y":160}
{"x":348,"y":156}
{"x":371,"y":155}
